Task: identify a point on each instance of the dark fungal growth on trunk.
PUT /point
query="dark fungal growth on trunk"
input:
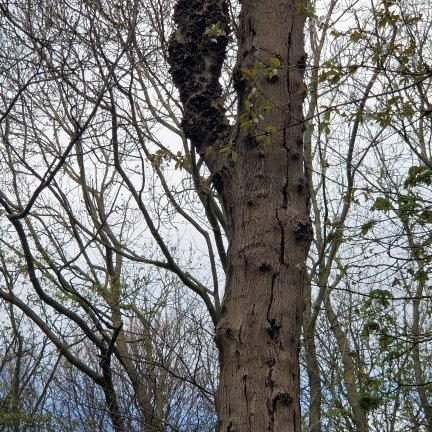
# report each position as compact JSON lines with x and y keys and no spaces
{"x":196,"y":54}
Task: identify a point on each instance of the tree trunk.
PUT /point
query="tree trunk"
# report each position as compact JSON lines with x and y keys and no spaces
{"x":349,"y":369}
{"x":312,"y":364}
{"x":265,"y":196}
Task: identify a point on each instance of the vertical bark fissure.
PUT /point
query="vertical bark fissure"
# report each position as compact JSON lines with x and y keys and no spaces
{"x":285,"y":188}
{"x":273,"y":331}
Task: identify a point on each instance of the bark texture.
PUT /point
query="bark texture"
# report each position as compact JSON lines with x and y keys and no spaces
{"x":196,"y":54}
{"x":264,"y":194}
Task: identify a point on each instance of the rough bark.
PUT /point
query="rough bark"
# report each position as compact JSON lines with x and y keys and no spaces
{"x":264,"y":194}
{"x":196,"y":61}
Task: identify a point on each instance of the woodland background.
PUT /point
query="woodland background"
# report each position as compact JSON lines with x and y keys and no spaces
{"x":112,"y":269}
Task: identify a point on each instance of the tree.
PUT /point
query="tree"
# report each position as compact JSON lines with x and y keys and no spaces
{"x":354,"y":303}
{"x":102,"y":286}
{"x":257,"y":167}
{"x":118,"y":202}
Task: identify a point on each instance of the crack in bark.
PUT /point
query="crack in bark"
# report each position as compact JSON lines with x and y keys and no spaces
{"x":284,"y":198}
{"x":273,"y":402}
{"x":286,"y":184}
{"x":272,"y":329}
{"x":270,"y":384}
{"x":282,"y":240}
{"x":247,"y":400}
{"x":273,"y":332}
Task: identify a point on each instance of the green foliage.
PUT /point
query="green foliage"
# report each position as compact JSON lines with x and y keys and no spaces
{"x":158,"y":158}
{"x":386,"y":17}
{"x":366,"y":227}
{"x":381,"y":296}
{"x":272,"y":74}
{"x":356,"y":35}
{"x":369,"y":396}
{"x":275,"y":62}
{"x":418,"y":175}
{"x":270,"y":71}
{"x":419,"y":276}
{"x":383,"y":118}
{"x":266,"y":137}
{"x":230,"y":151}
{"x":410,"y":206}
{"x":215,"y":30}
{"x":369,"y":401}
{"x":370,"y":327}
{"x":382,"y":204}
{"x":182,"y":162}
{"x":385,"y":341}
{"x":306,"y":10}
{"x":333,"y":75}
{"x":425,"y":216}
{"x":407,"y":207}
{"x":335,"y":236}
{"x":254,"y":106}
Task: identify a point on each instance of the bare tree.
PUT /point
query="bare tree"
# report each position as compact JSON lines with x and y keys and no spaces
{"x":91,"y":217}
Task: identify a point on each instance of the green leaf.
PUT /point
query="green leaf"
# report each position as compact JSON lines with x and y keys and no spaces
{"x":408,"y":205}
{"x":247,"y":73}
{"x":370,"y":327}
{"x":382,"y":204}
{"x":263,"y":139}
{"x":383,"y":296}
{"x":356,"y":35}
{"x":233,"y":156}
{"x":421,"y":276}
{"x":245,"y":122}
{"x":275,"y":61}
{"x":384,"y":341}
{"x":426,"y":216}
{"x":270,"y":130}
{"x":305,"y":10}
{"x":366,"y":227}
{"x":418,"y":175}
{"x":324,"y":127}
{"x":272,"y":74}
{"x":215,"y":30}
{"x":369,"y":401}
